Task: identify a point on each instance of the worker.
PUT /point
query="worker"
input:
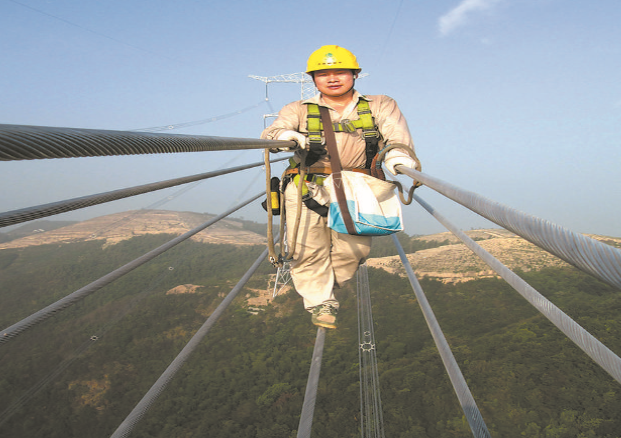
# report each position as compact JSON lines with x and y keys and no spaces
{"x":324,"y":259}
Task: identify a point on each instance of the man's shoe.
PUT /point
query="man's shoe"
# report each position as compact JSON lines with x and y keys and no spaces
{"x":324,"y":315}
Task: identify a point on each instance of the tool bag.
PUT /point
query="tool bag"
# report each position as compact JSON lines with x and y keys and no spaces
{"x":359,"y":204}
{"x":372,"y":204}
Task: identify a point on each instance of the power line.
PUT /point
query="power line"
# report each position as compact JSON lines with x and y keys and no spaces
{"x":389,"y":34}
{"x":85,"y":29}
{"x":170,"y":127}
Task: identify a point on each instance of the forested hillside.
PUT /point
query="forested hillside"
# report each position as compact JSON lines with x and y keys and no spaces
{"x":247,"y":379}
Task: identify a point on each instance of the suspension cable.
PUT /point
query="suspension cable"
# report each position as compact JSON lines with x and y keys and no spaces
{"x":22,"y":142}
{"x":587,"y":254}
{"x":371,"y":416}
{"x":466,"y":400}
{"x":45,"y":210}
{"x":78,"y":295}
{"x":310,"y":395}
{"x":597,"y":351}
{"x":126,"y":427}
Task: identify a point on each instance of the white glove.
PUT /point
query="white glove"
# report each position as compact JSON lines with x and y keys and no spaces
{"x":300,"y":139}
{"x":395,"y":158}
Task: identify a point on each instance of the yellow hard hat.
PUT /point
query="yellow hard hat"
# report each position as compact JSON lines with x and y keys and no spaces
{"x":332,"y":57}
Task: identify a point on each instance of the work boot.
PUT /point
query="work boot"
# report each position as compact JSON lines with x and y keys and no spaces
{"x":324,"y":315}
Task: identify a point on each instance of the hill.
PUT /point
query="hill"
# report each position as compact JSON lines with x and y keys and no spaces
{"x":453,"y":262}
{"x":80,"y":373}
{"x":114,"y":228}
{"x":33,"y":227}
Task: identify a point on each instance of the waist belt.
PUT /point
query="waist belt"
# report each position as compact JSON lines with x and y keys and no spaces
{"x":312,"y":170}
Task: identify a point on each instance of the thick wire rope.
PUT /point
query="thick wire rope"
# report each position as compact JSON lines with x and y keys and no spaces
{"x":53,"y":208}
{"x":310,"y":395}
{"x":89,"y":289}
{"x":126,"y":427}
{"x":587,"y":254}
{"x":466,"y":400}
{"x":22,"y":142}
{"x":16,"y":405}
{"x":371,"y":415}
{"x":597,"y":351}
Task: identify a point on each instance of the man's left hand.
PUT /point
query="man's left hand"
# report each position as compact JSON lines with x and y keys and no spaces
{"x":397,"y":159}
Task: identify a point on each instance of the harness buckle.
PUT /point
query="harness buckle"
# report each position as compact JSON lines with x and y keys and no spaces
{"x":346,"y":125}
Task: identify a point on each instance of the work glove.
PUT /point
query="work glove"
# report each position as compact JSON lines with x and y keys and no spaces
{"x":395,"y":158}
{"x":300,"y":139}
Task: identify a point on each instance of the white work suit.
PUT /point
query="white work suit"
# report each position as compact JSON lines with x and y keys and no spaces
{"x":324,"y":258}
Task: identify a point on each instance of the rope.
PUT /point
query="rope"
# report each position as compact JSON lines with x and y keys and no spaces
{"x":589,"y":255}
{"x":469,"y":406}
{"x":21,"y":142}
{"x":371,"y":418}
{"x":76,"y":296}
{"x":45,"y":210}
{"x":597,"y":351}
{"x":310,"y":395}
{"x":158,"y":387}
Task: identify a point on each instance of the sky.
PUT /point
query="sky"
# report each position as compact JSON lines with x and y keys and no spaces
{"x":516,"y":100}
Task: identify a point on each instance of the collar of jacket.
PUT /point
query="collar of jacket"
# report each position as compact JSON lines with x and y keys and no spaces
{"x":318,"y":100}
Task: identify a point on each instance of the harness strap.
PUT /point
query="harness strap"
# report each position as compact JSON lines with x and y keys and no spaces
{"x":366,"y":122}
{"x":311,"y":171}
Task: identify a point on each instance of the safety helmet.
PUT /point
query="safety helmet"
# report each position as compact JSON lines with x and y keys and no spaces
{"x":332,"y":57}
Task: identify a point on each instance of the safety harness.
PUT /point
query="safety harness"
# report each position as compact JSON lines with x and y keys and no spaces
{"x":366,"y":122}
{"x":307,"y":173}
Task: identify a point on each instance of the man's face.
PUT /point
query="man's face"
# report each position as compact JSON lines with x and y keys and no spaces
{"x":334,"y":83}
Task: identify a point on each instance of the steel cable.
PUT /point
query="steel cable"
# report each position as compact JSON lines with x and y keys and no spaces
{"x":23,"y":142}
{"x":87,"y":290}
{"x":466,"y":400}
{"x":371,"y":415}
{"x":587,"y":254}
{"x":310,"y":395}
{"x":40,"y":211}
{"x":597,"y":351}
{"x":126,"y":427}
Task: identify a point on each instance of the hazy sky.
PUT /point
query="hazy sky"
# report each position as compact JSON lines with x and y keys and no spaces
{"x":517,"y":100}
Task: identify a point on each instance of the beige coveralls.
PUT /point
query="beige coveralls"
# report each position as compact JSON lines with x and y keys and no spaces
{"x":324,"y":258}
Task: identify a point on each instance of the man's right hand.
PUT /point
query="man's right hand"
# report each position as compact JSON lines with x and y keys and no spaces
{"x":297,"y":137}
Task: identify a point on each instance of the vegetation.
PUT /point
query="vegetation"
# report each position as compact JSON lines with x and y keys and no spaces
{"x":247,"y":378}
{"x":384,"y":247}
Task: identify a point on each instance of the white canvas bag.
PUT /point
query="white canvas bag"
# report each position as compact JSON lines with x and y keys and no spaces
{"x":373,"y":205}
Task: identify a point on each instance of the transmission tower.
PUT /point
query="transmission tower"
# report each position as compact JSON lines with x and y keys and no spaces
{"x":307,"y":87}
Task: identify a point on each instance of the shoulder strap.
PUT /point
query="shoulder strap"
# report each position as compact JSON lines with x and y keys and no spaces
{"x":313,"y":123}
{"x":337,"y":177}
{"x":370,"y":132}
